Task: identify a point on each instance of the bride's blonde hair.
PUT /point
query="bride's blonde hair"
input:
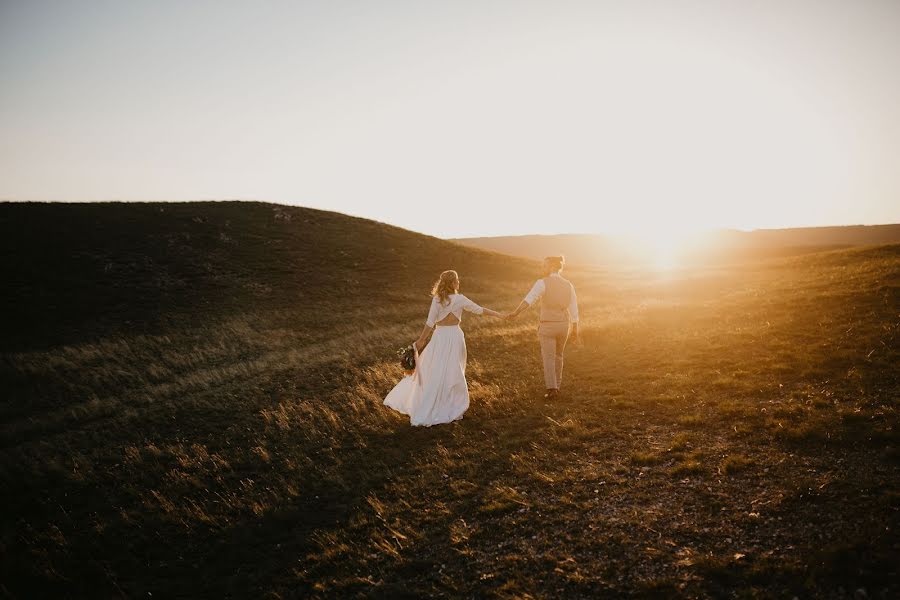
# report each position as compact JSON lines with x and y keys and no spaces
{"x":447,"y":284}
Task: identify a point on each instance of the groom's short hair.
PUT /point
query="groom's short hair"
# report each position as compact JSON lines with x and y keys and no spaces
{"x":556,"y":262}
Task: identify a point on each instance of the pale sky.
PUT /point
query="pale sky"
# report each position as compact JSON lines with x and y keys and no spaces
{"x":459,"y":118}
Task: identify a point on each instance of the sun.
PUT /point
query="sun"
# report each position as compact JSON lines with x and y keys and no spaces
{"x":664,"y":254}
{"x":667,"y":250}
{"x":660,"y":248}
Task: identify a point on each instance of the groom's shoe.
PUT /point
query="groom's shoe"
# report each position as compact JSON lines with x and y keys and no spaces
{"x":551,"y":394}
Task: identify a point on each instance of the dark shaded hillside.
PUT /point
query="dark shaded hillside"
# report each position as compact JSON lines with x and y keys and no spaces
{"x":715,"y":247}
{"x":73,"y":272}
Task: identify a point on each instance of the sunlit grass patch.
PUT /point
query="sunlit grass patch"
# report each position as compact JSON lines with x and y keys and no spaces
{"x":566,"y":435}
{"x":550,"y":478}
{"x":330,"y":544}
{"x":647,"y":458}
{"x":802,"y":433}
{"x":501,"y":499}
{"x":686,"y":468}
{"x":691,"y":421}
{"x":460,"y":531}
{"x":681,"y":442}
{"x":735,"y":463}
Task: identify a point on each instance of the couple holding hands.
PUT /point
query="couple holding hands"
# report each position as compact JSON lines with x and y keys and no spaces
{"x":437,"y":392}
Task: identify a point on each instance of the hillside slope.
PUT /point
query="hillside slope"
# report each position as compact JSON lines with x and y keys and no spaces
{"x":73,"y":272}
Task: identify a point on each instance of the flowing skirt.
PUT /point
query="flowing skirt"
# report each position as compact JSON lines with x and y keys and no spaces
{"x":437,"y":392}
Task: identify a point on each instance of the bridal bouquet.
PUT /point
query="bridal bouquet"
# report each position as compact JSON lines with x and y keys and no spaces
{"x":407,"y":356}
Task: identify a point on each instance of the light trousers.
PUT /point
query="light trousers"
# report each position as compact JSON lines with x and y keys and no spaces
{"x":553,"y":336}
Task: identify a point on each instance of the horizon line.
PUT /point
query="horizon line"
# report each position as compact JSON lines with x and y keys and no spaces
{"x":451,"y":238}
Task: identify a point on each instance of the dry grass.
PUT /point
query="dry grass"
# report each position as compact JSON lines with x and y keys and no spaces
{"x":722,"y":432}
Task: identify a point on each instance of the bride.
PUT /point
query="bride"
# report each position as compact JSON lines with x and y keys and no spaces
{"x":437,"y":391}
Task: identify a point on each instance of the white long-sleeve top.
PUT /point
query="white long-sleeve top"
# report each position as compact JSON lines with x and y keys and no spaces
{"x":456,"y":305}
{"x":537,"y":292}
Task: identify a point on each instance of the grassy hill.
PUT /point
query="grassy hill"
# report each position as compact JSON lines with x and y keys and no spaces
{"x":192,"y":408}
{"x":76,"y":271}
{"x":714,"y":247}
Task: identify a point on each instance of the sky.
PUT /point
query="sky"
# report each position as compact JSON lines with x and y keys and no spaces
{"x":463,"y":118}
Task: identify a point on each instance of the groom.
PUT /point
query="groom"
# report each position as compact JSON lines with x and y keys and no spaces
{"x":559,"y":307}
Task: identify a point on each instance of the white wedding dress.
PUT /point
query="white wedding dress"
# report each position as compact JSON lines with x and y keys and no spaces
{"x":437,"y":391}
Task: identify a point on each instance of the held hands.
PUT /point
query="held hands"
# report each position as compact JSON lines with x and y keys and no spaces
{"x":576,"y":339}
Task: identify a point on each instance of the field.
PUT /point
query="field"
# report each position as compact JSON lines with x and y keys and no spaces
{"x":192,"y":408}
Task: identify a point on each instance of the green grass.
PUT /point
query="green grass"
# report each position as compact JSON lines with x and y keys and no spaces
{"x":203,"y":418}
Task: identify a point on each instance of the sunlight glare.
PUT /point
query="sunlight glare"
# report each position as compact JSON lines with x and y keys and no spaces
{"x":661,"y":248}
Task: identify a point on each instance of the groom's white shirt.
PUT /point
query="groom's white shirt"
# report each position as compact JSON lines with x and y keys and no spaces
{"x":537,"y":292}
